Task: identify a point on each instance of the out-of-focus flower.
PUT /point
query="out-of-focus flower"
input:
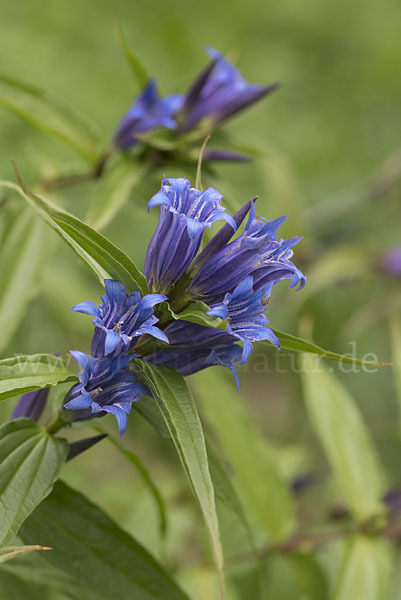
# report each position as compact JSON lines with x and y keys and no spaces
{"x":31,"y":405}
{"x":121,"y":319}
{"x":219,"y":92}
{"x":392,"y":499}
{"x":391,"y":262}
{"x":148,"y":112}
{"x":105,"y":386}
{"x":185,"y":212}
{"x":304,"y":482}
{"x":225,"y":156}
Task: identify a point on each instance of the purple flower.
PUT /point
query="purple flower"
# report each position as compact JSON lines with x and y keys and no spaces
{"x":185,"y":212}
{"x":121,"y":319}
{"x":255,"y":252}
{"x":31,"y":405}
{"x":234,"y":276}
{"x":148,"y":112}
{"x":219,"y":92}
{"x":391,"y":262}
{"x":192,"y":358}
{"x":244,"y":310}
{"x":76,"y":448}
{"x":105,"y":386}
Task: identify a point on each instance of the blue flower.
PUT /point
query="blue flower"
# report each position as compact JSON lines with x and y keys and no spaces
{"x":105,"y":386}
{"x":31,"y":405}
{"x":220,"y":92}
{"x":148,"y":112}
{"x":255,"y":252}
{"x":121,"y":319}
{"x":185,"y":212}
{"x":391,"y":262}
{"x":194,"y":358}
{"x":244,"y":311}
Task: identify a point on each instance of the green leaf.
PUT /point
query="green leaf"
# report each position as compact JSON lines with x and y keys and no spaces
{"x":148,"y":409}
{"x":297,"y":344}
{"x":296,"y":576}
{"x":101,"y":255}
{"x":225,"y":490}
{"x":11,"y":552}
{"x":255,"y":467}
{"x":195,"y":313}
{"x":30,"y":461}
{"x":20,"y":261}
{"x":138,"y":70}
{"x":32,"y":577}
{"x":159,"y":139}
{"x":366,"y":571}
{"x":146,"y":478}
{"x":95,"y":551}
{"x":25,"y":373}
{"x":114,"y":191}
{"x":395,"y":336}
{"x":176,"y":404}
{"x":339,"y":426}
{"x":49,"y":114}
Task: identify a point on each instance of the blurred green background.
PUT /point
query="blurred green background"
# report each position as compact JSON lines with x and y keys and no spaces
{"x":333,"y":139}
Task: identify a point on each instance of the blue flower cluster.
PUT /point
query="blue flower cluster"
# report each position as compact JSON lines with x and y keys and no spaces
{"x":218,"y":93}
{"x":235,"y":277}
{"x":106,"y":383}
{"x":234,"y":274}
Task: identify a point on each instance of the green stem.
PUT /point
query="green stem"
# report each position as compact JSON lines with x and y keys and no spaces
{"x":59,"y":421}
{"x":64,"y":181}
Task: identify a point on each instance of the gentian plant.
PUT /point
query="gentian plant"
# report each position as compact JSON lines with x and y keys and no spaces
{"x":201,"y":304}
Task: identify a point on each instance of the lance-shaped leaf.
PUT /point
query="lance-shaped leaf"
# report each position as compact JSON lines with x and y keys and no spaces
{"x":113,"y":191}
{"x":226,"y":492}
{"x":339,"y":426}
{"x":222,"y":483}
{"x":104,"y":258}
{"x":93,"y":549}
{"x":11,"y":552}
{"x":366,"y":570}
{"x":30,"y":461}
{"x":395,"y":336}
{"x":254,"y":464}
{"x":25,"y":373}
{"x":49,"y":114}
{"x":196,"y":312}
{"x":138,"y":70}
{"x":297,"y":344}
{"x":20,"y":260}
{"x":34,"y":578}
{"x":176,"y":404}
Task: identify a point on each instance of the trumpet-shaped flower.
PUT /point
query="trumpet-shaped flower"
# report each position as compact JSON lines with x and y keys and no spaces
{"x":220,"y":92}
{"x":244,"y":311}
{"x":193,"y":358}
{"x":121,"y":319}
{"x":105,"y":386}
{"x":185,"y":212}
{"x":255,"y":252}
{"x":148,"y":112}
{"x":31,"y":405}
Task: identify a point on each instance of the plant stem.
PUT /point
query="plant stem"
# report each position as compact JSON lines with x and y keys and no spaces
{"x":59,"y":421}
{"x":64,"y":181}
